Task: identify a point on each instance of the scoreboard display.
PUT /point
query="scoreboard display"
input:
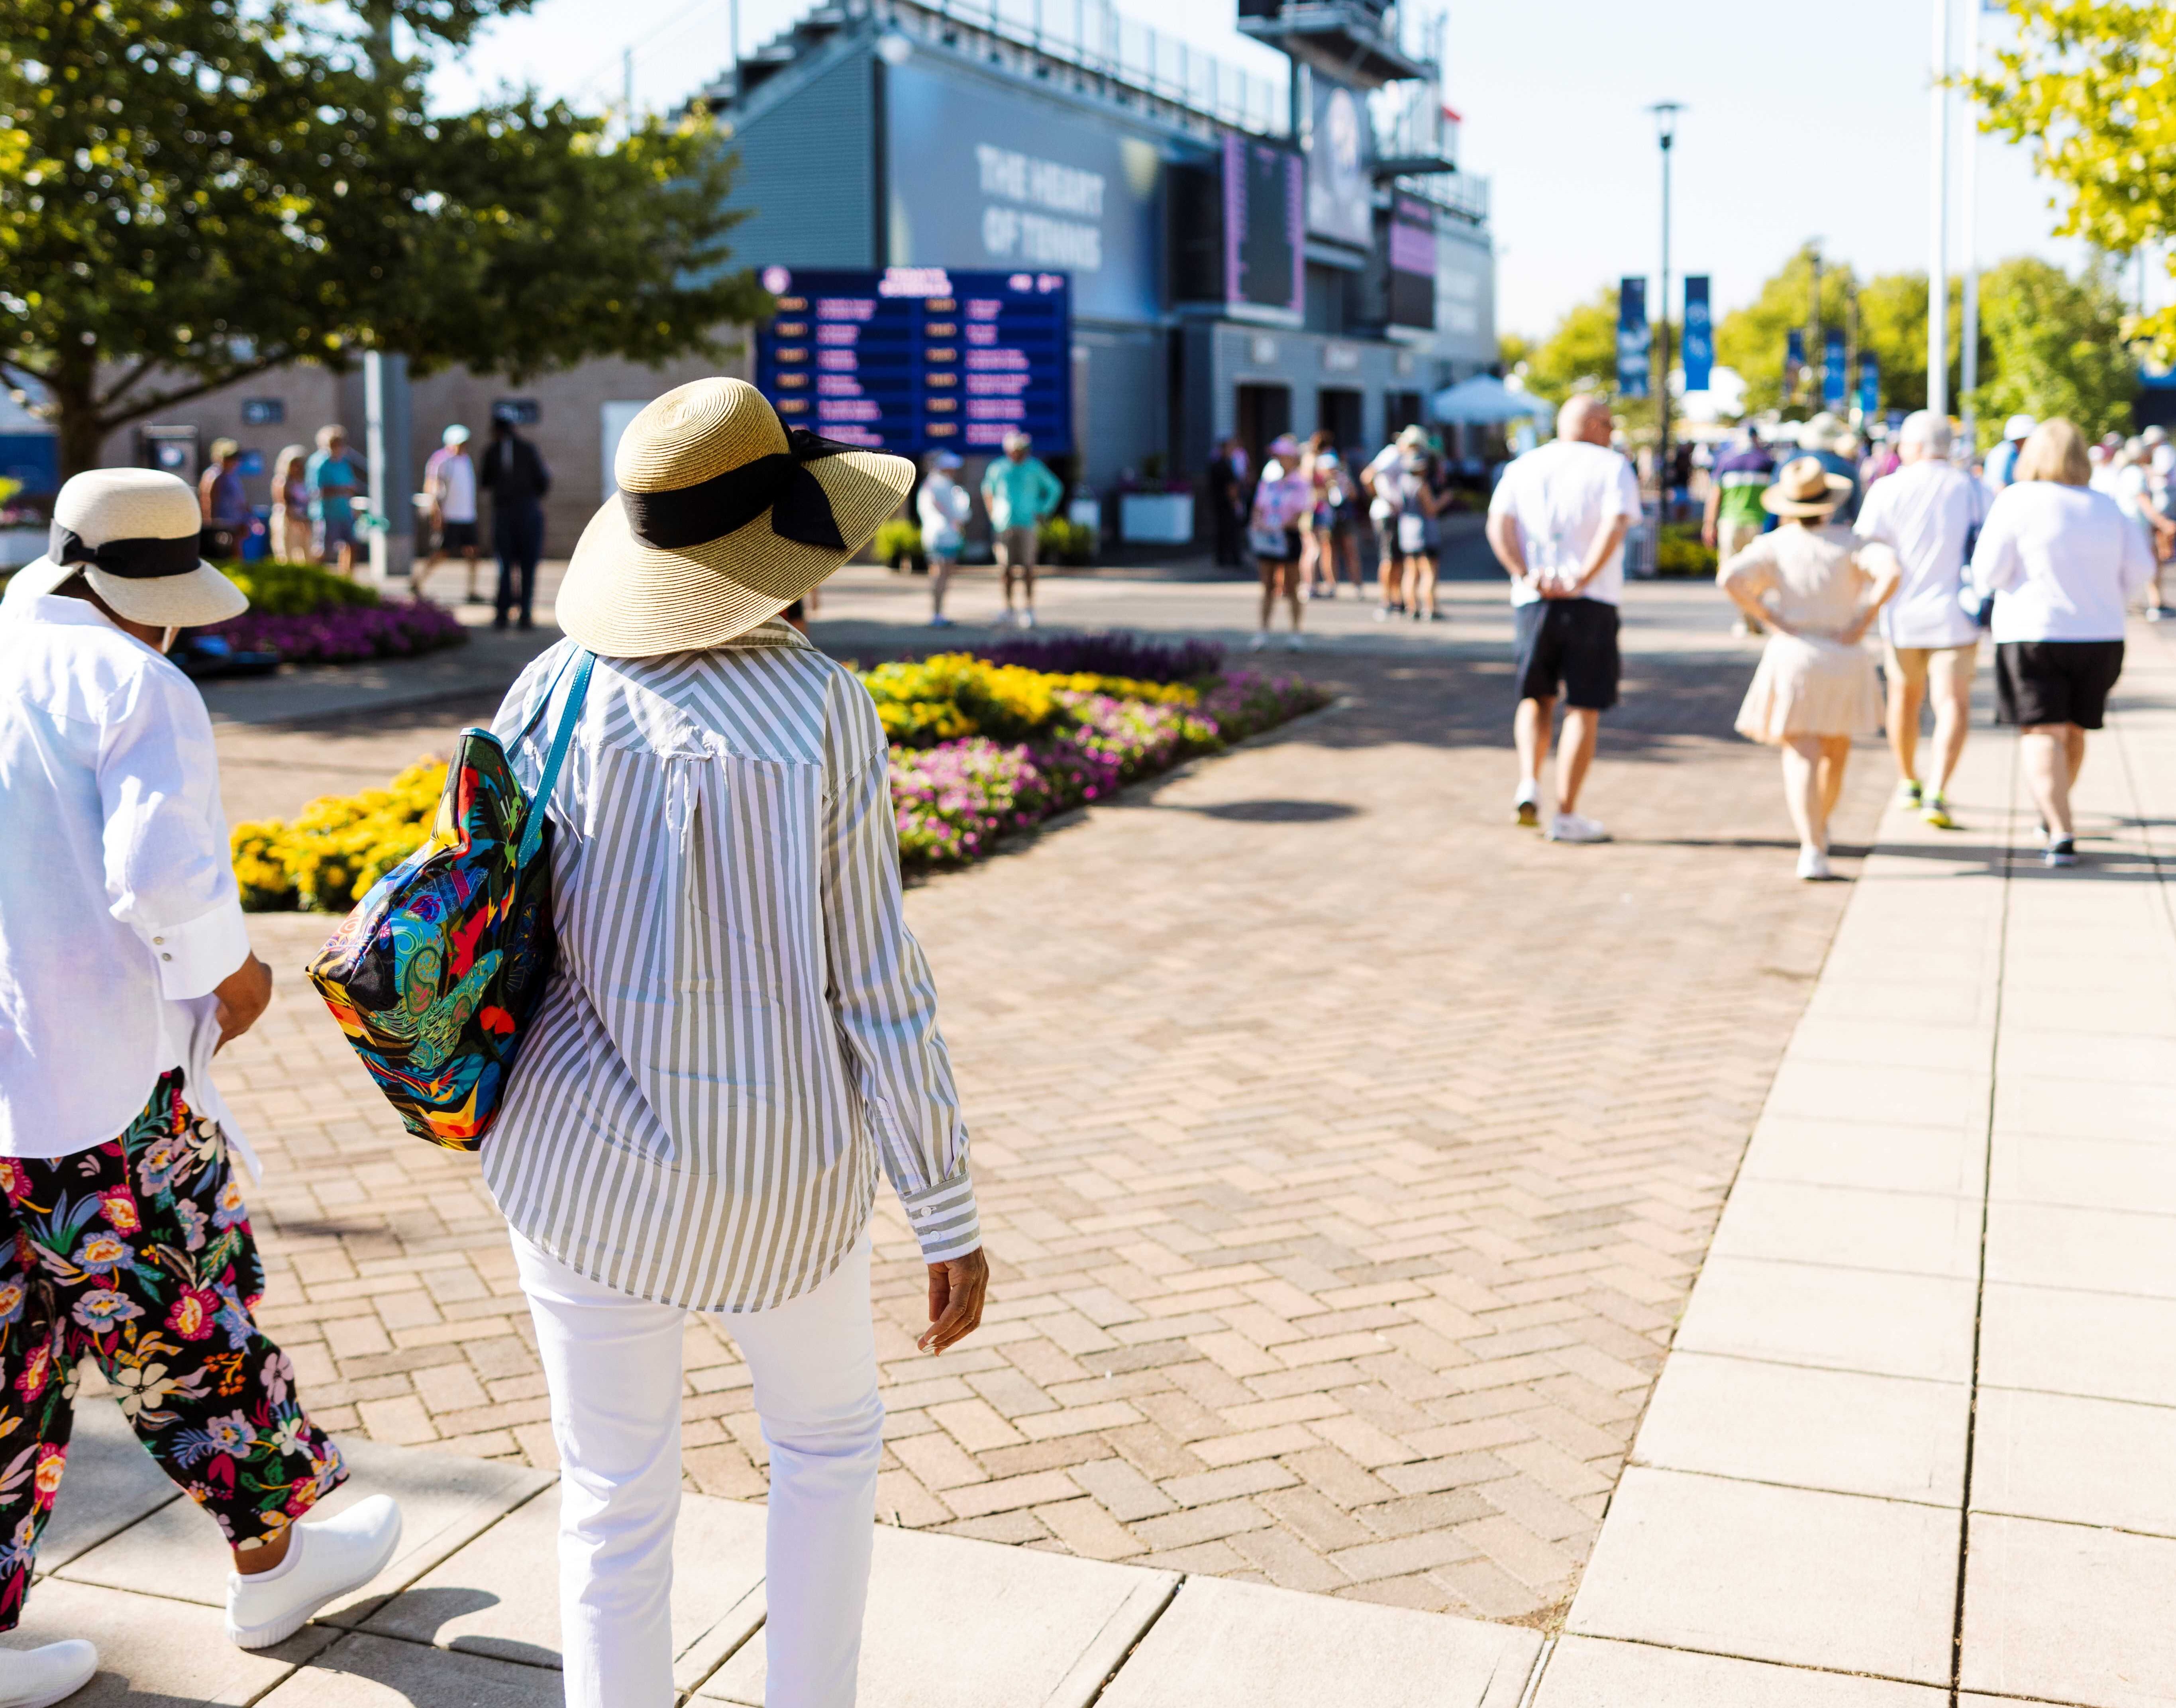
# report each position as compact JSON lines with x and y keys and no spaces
{"x":916,"y":359}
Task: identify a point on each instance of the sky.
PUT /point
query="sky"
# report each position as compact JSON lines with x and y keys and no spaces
{"x":1797,"y":123}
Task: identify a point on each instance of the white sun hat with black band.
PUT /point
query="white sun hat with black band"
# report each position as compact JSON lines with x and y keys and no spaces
{"x":133,"y":533}
{"x":722,"y":519}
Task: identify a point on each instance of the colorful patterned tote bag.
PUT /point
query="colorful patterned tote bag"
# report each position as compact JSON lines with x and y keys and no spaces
{"x":434,"y":974}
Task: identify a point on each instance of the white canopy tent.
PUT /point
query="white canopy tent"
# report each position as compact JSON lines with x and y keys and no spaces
{"x":1485,"y":400}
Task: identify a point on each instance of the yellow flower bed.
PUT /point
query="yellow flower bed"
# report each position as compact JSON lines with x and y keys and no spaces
{"x":338,"y":845}
{"x":952,"y":694}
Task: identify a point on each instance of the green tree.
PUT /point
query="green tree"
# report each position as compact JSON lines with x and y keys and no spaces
{"x":198,"y":190}
{"x":2053,"y":346}
{"x":2091,"y":86}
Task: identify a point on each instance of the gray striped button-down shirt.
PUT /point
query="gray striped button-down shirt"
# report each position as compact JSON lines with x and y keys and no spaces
{"x":740,"y":1026}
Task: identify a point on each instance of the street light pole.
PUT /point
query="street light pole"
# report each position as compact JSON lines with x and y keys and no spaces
{"x":1666,"y":129}
{"x":1968,"y":242}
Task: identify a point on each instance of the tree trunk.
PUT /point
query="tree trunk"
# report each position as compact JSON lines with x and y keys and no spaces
{"x":74,"y":391}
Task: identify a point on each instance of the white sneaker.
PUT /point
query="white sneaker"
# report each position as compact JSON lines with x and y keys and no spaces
{"x":1292,"y":642}
{"x":1027,"y":619}
{"x":325,"y":1561}
{"x":1571,"y":827}
{"x":1814,"y":866}
{"x":1260,"y":641}
{"x":39,"y":1678}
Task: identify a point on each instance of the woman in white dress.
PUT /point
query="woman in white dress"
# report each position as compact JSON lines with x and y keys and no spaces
{"x":1816,"y":589}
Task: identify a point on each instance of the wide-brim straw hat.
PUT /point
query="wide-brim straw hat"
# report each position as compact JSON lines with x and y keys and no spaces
{"x":1803,"y":487}
{"x":722,"y":519}
{"x":133,"y":534}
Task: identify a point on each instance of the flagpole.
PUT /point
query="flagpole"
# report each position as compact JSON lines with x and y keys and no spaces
{"x":1938,"y":278}
{"x":1967,"y":223}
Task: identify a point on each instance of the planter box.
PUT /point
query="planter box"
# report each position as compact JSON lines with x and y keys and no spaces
{"x":21,"y":545}
{"x":1156,"y":519}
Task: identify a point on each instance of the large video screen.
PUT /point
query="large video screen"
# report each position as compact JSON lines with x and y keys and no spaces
{"x":1265,"y":240}
{"x":914,"y":359}
{"x":1413,"y":258}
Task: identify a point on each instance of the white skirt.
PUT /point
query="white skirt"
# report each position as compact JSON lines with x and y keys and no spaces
{"x":1808,"y":687}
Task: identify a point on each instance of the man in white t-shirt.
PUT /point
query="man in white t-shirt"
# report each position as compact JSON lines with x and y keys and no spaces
{"x":1557,"y":524}
{"x":449,"y":483}
{"x":1927,"y":513}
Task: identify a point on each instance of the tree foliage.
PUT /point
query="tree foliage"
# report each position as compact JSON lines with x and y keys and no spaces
{"x":1892,"y":325}
{"x":2091,"y":86}
{"x":2053,"y":345}
{"x":192,"y":191}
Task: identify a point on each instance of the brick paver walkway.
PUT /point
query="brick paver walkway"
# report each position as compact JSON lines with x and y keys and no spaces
{"x":1345,"y":1155}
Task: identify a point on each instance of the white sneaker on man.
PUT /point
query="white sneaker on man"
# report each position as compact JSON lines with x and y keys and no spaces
{"x":39,"y":1678}
{"x":325,"y":1561}
{"x":1573,"y":827}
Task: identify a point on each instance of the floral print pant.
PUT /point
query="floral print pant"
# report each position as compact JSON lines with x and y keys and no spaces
{"x":138,"y":1255}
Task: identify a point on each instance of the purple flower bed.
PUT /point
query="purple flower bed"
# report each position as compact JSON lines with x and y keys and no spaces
{"x":1115,"y":652}
{"x":346,"y":633}
{"x":955,"y":801}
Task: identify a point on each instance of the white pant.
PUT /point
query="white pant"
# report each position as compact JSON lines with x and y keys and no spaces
{"x":614,"y":1363}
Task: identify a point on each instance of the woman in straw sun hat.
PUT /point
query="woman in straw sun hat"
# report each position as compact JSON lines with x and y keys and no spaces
{"x":739,"y":1033}
{"x":124,"y":1240}
{"x":1816,"y":590}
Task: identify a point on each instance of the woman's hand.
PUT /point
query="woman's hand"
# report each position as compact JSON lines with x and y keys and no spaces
{"x":957,"y":1287}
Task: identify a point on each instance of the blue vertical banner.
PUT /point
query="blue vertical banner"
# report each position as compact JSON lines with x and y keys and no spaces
{"x":1833,"y":377}
{"x":1699,"y":333}
{"x":1634,"y":364}
{"x":1794,"y":360}
{"x":1869,"y":384}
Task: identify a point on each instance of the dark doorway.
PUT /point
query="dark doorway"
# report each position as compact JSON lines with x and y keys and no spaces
{"x":1339,"y":410}
{"x":1264,"y":412}
{"x":1401,"y":410}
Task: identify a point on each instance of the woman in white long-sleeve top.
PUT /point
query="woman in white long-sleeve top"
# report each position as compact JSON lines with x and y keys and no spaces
{"x":2064,"y":562}
{"x":739,"y":1035}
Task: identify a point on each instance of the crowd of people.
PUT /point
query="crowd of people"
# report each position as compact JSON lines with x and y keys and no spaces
{"x":318,"y":506}
{"x":1298,"y":519}
{"x":2045,"y":547}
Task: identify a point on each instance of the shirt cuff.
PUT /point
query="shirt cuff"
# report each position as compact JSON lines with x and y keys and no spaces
{"x":196,"y":958}
{"x":943,"y":1217}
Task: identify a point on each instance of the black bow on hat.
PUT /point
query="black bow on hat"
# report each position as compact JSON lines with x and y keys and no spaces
{"x":134,"y":560}
{"x":781,"y":482}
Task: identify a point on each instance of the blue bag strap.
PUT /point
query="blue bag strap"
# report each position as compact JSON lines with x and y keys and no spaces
{"x":532,"y":832}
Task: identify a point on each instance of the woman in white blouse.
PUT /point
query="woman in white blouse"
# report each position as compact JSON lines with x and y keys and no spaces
{"x":2064,"y":562}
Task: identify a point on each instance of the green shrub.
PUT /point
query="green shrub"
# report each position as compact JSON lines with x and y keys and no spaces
{"x":1679,"y":552}
{"x":1058,"y":541}
{"x":276,"y":589}
{"x":896,"y":539}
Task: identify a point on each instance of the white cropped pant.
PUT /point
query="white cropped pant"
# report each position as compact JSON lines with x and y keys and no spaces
{"x":614,"y":1364}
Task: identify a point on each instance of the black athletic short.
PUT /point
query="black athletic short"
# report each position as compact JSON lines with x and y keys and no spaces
{"x":2056,"y":682}
{"x":1571,"y":641}
{"x":457,"y":537}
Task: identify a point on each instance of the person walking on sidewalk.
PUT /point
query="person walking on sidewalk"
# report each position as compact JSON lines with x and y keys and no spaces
{"x":943,"y":506}
{"x":291,"y":507}
{"x":2000,"y":469}
{"x":1735,"y":518}
{"x":334,"y":483}
{"x":1815,"y":690}
{"x":1557,"y":523}
{"x":449,"y":482}
{"x":124,"y":963}
{"x":1019,"y":491}
{"x":740,"y":1033}
{"x":514,"y":474}
{"x":1282,"y":496}
{"x":2064,"y":563}
{"x":1927,"y":512}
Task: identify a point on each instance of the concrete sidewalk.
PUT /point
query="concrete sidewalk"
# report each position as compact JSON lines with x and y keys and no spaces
{"x":1929,"y":1355}
{"x":466,"y":1617}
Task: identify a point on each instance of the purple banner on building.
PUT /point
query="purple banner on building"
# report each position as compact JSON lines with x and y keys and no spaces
{"x":1412,"y":252}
